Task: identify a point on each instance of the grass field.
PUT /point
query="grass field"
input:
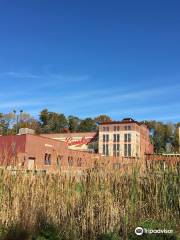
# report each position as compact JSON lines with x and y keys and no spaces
{"x":101,"y":204}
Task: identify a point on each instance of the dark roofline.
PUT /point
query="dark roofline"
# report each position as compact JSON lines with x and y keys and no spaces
{"x":120,"y":122}
{"x":124,"y":121}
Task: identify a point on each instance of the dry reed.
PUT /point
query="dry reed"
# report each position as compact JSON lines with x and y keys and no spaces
{"x":99,"y":201}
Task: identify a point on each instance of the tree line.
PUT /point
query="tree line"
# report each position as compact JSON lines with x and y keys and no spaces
{"x":164,"y":136}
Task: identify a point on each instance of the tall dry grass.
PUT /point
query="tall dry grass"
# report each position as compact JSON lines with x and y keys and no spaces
{"x":99,"y":201}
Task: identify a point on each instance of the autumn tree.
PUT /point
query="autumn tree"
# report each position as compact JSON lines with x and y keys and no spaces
{"x":52,"y":122}
{"x":6,"y":122}
{"x":73,"y":123}
{"x":87,"y":125}
{"x":25,"y":120}
{"x":102,"y":118}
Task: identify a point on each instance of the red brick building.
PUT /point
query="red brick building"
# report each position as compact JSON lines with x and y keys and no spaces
{"x":37,"y":152}
{"x":50,"y":152}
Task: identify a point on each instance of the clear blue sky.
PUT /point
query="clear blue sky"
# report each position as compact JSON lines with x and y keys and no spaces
{"x":86,"y":58}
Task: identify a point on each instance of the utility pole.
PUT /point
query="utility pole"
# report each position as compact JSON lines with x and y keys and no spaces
{"x":18,"y":119}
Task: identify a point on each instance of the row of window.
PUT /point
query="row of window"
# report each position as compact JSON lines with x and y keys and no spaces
{"x":116,"y":150}
{"x":47,"y":160}
{"x":116,"y":128}
{"x":116,"y":137}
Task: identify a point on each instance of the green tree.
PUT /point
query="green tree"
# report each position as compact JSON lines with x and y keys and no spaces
{"x":102,"y":118}
{"x":6,"y":121}
{"x":52,"y":122}
{"x":44,"y":117}
{"x":73,"y":123}
{"x":176,"y":138}
{"x":87,"y":125}
{"x":161,"y":134}
{"x":25,"y":120}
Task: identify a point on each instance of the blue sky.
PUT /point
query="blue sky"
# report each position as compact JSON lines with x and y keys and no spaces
{"x":86,"y":58}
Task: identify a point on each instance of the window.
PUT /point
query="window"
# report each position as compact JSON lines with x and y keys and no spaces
{"x":104,"y":137}
{"x":59,"y":159}
{"x":104,"y":149}
{"x":114,"y":137}
{"x":127,"y":127}
{"x":105,"y":129}
{"x":114,"y":128}
{"x":127,"y":150}
{"x":107,"y":149}
{"x":118,"y":128}
{"x":118,"y":137}
{"x":70,"y":161}
{"x":127,"y":137}
{"x":107,"y":138}
{"x":116,"y":150}
{"x":79,"y":162}
{"x":47,"y":159}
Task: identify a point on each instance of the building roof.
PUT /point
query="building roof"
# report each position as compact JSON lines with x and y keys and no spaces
{"x":124,"y":121}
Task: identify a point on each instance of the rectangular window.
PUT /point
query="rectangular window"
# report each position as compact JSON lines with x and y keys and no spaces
{"x":127,"y":127}
{"x":118,"y":147}
{"x":114,"y":150}
{"x":129,"y":150}
{"x":107,"y":138}
{"x":129,"y":137}
{"x":107,"y":150}
{"x":118,"y":137}
{"x":70,"y":161}
{"x":114,"y":137}
{"x":79,"y":162}
{"x":125,"y":137}
{"x":47,"y":159}
{"x":104,"y":137}
{"x":114,"y":128}
{"x":118,"y":150}
{"x":104,"y":149}
{"x":125,"y":150}
{"x":118,"y":128}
